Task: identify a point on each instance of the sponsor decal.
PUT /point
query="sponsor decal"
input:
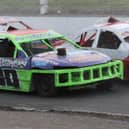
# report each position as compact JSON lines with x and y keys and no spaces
{"x":43,"y":62}
{"x":46,"y":35}
{"x":86,"y":58}
{"x":9,"y":78}
{"x":12,"y":63}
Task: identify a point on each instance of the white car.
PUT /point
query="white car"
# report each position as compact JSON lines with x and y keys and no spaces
{"x":110,"y":36}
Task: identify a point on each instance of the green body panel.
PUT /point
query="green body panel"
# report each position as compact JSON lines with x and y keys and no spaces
{"x":74,"y":77}
{"x":24,"y":78}
{"x":110,"y":73}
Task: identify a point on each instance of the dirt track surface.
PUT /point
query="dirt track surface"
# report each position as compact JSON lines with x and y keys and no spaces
{"x":91,"y":99}
{"x":32,"y":120}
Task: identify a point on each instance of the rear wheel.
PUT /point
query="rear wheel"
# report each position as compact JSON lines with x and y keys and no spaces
{"x":44,"y":85}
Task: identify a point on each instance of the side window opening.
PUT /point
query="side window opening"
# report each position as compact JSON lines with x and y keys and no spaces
{"x":6,"y":48}
{"x":20,"y":54}
{"x":108,"y":40}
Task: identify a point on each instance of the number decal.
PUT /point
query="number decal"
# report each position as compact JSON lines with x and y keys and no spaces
{"x":2,"y":80}
{"x":9,"y":78}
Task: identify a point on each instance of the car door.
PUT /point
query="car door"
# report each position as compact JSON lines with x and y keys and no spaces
{"x":9,"y":65}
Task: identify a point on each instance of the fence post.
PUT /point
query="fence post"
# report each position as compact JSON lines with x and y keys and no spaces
{"x":43,"y":6}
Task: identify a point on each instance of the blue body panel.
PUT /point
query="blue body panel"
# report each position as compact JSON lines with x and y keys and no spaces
{"x":77,"y":58}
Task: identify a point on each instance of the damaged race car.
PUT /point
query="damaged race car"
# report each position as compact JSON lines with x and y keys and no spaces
{"x":109,"y":36}
{"x":10,"y":24}
{"x":45,"y":61}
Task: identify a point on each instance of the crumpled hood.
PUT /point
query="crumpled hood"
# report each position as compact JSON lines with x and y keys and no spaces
{"x":73,"y":58}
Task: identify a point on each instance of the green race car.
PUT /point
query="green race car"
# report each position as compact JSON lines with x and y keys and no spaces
{"x":45,"y":61}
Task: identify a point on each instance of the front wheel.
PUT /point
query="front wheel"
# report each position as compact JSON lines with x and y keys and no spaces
{"x":45,"y":85}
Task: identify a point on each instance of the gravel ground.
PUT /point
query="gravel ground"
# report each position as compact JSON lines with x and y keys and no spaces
{"x":45,"y":120}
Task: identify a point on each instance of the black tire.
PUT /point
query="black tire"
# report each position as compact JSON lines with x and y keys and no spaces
{"x":44,"y":85}
{"x":106,"y":85}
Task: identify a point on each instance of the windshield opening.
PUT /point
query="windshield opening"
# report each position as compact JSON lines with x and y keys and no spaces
{"x":40,"y":46}
{"x":35,"y":47}
{"x":60,"y":43}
